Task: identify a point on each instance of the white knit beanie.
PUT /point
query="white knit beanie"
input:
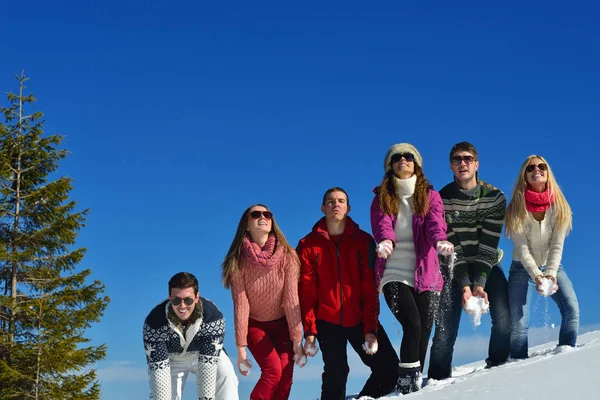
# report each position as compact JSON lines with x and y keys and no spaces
{"x":401,"y":148}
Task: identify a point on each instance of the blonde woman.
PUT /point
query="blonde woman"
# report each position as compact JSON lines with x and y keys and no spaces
{"x":262,"y":270}
{"x":537,"y":220}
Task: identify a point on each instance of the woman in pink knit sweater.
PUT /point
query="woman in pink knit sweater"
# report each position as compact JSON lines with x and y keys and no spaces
{"x":262,"y":269}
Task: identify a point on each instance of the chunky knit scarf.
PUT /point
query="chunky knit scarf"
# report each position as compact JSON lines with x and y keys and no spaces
{"x":266,"y":257}
{"x":538,"y":201}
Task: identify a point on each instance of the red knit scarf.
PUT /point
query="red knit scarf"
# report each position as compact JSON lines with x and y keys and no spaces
{"x":266,"y":257}
{"x":538,"y":201}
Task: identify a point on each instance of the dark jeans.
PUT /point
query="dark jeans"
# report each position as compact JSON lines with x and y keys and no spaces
{"x":333,"y":341}
{"x":415,"y":312}
{"x":448,"y":320}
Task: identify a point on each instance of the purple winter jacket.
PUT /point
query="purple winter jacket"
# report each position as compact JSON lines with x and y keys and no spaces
{"x":427,"y":231}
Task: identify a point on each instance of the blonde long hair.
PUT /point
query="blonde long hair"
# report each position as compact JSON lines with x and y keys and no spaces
{"x":231,"y":263}
{"x":516,"y":214}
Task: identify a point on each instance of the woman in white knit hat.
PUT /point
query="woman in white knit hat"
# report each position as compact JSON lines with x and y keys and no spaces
{"x":537,"y":220}
{"x":407,"y":219}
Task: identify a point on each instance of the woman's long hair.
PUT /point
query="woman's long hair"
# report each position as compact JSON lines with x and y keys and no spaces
{"x":389,"y":201}
{"x":516,"y":214}
{"x":231,"y":263}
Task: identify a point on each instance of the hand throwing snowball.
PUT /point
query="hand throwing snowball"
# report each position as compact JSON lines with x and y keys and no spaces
{"x":476,"y":307}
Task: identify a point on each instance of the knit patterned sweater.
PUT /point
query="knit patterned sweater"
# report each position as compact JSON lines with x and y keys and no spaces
{"x":165,"y":341}
{"x":266,"y":289}
{"x":475,"y":218}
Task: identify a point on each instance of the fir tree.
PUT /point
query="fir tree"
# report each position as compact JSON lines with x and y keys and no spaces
{"x":46,"y":302}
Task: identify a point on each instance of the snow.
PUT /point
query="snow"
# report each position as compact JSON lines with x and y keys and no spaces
{"x":303,"y":360}
{"x":370,"y":348}
{"x":246,"y":366}
{"x":476,"y":307}
{"x":546,"y":287}
{"x":551,"y":372}
{"x":311,"y":349}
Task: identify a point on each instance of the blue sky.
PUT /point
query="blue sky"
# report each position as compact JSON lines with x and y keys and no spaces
{"x":179,"y":115}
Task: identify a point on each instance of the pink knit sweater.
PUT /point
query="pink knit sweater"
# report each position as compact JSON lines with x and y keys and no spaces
{"x":265,"y":289}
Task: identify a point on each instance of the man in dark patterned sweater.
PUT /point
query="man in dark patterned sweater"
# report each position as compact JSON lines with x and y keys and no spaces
{"x":185,"y":334}
{"x":474,"y":214}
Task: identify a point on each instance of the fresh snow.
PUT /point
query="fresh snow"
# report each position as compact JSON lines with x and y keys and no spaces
{"x":476,"y":307}
{"x":550,"y":373}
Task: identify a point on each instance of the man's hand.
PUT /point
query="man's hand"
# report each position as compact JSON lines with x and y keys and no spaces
{"x":310,"y":346}
{"x":479,"y":292}
{"x":370,"y":346}
{"x":444,"y":247}
{"x":385,"y":248}
{"x":466,"y":295}
{"x":244,"y":365}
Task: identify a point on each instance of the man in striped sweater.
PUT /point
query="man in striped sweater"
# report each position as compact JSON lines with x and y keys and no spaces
{"x":474,"y":214}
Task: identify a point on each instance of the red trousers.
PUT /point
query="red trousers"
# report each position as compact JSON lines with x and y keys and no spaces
{"x":270,"y":344}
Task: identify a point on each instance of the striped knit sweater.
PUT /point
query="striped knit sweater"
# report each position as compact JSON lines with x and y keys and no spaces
{"x":475,"y":218}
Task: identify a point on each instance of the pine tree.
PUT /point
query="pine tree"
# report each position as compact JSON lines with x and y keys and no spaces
{"x":46,"y":302}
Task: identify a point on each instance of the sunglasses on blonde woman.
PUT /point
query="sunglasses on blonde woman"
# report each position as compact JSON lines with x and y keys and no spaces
{"x":541,"y":167}
{"x":257,"y":214}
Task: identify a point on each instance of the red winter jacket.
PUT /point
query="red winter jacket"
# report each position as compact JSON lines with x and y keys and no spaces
{"x":337,"y":284}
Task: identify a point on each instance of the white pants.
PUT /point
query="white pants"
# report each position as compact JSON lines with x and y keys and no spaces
{"x":227,"y":381}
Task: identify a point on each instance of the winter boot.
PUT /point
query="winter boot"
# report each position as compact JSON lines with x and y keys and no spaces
{"x":409,"y":377}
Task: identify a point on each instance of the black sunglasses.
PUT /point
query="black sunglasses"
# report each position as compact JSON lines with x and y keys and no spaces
{"x":188,"y":301}
{"x":257,"y":214}
{"x":456,"y":160}
{"x":410,"y":157}
{"x":541,"y":167}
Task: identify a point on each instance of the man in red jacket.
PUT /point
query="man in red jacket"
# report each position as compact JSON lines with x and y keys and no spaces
{"x":339,"y":301}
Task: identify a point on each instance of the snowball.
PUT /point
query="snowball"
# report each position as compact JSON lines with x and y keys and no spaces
{"x":546,"y":287}
{"x":311,"y":349}
{"x":303,"y":360}
{"x":476,"y":306}
{"x":246,"y":366}
{"x":370,"y":348}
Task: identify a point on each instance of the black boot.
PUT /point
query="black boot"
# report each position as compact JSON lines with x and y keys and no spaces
{"x":409,"y":379}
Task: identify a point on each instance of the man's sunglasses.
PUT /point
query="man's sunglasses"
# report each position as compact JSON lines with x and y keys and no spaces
{"x":541,"y":167}
{"x":188,"y":301}
{"x":456,"y":160}
{"x":410,"y":157}
{"x":257,"y":214}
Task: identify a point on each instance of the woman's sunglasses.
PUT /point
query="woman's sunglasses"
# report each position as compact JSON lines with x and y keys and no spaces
{"x":257,"y":214}
{"x":541,"y":167}
{"x":410,"y":157}
{"x":188,"y":301}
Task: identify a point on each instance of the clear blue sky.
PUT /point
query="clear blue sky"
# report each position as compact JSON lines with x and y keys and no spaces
{"x":179,"y":115}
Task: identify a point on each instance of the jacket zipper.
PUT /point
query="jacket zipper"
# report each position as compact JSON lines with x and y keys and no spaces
{"x":337,"y":253}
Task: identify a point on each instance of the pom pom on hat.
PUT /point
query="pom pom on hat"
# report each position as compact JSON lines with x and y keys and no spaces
{"x":401,"y":148}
